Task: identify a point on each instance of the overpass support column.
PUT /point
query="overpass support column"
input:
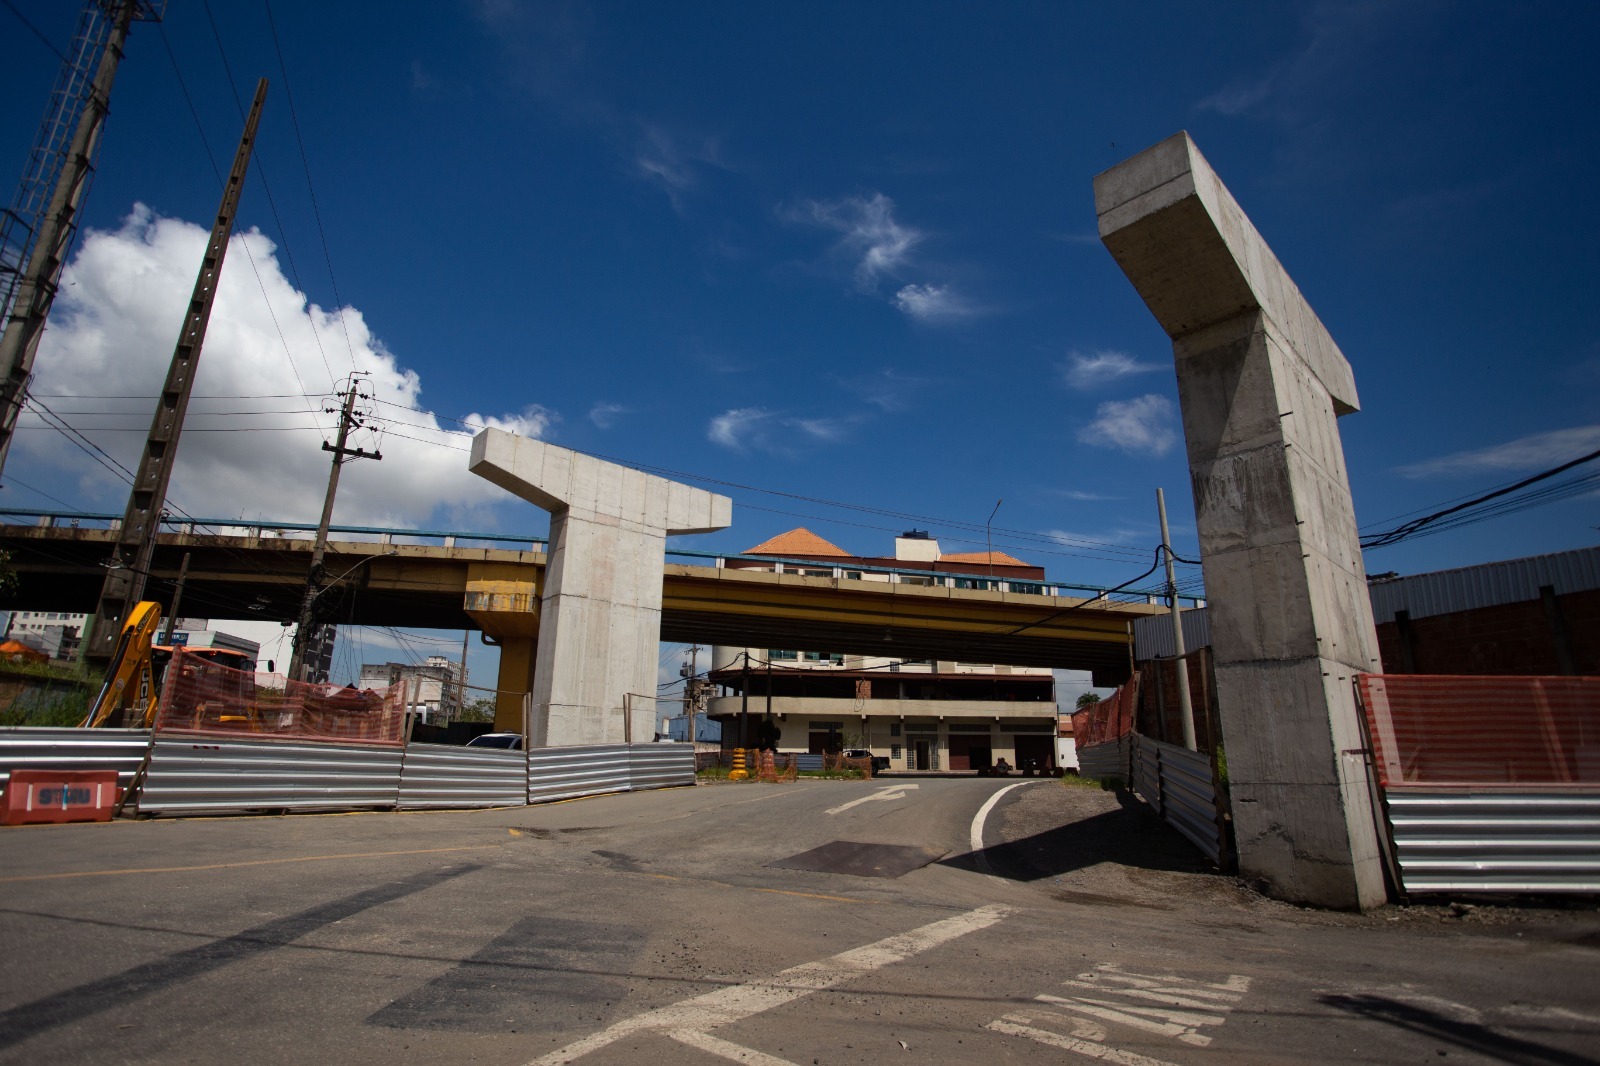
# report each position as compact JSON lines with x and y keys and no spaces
{"x":1261,"y":384}
{"x":600,"y":606}
{"x":516,"y":679}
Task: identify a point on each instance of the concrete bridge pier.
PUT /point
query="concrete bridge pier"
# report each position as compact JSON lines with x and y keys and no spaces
{"x":1261,"y":384}
{"x":599,"y":617}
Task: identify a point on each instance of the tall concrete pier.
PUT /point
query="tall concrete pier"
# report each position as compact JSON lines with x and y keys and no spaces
{"x":1261,"y":384}
{"x":600,"y":609}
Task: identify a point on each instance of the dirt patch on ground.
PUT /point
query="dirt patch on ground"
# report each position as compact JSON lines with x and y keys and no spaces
{"x":1082,"y":844}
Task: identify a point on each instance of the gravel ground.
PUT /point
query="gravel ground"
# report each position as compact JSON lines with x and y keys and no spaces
{"x":1081,"y":843}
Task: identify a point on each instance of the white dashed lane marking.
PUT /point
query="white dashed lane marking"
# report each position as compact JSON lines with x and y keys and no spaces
{"x":689,"y":1020}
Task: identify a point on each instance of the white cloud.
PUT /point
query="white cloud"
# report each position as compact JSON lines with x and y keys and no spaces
{"x":1525,"y":453}
{"x":827,"y":429}
{"x":932,"y":303}
{"x":732,"y":429}
{"x":1101,"y":368}
{"x":744,"y":428}
{"x":605,"y":415}
{"x":879,"y":245}
{"x":245,"y":452}
{"x":671,"y":161}
{"x":1140,"y":426}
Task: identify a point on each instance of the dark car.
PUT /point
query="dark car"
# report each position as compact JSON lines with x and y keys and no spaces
{"x":880,"y":763}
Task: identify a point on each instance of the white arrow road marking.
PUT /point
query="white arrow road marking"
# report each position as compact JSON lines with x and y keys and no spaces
{"x":737,"y":1002}
{"x":887,"y":792}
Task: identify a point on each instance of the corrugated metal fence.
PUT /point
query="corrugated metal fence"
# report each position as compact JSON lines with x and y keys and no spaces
{"x":1104,"y":761}
{"x":38,"y":748}
{"x":437,"y":776}
{"x":212,"y":774}
{"x":1179,"y":785}
{"x":199,"y":773}
{"x":1499,"y":841}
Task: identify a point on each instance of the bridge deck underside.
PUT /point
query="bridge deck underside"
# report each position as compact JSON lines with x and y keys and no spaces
{"x":424,"y":587}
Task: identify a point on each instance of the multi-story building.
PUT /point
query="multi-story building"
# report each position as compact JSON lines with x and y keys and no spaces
{"x":433,"y":689}
{"x":919,"y":714}
{"x":54,"y":633}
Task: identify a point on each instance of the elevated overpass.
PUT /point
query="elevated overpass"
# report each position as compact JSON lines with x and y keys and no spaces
{"x":492,"y":584}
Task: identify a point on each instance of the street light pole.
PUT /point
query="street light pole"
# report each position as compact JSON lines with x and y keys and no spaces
{"x":988,"y":541}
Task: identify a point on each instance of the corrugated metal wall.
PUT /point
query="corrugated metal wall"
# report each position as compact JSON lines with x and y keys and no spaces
{"x":1105,"y":760}
{"x":1180,"y":785}
{"x":445,"y":776}
{"x":39,"y":748}
{"x":1512,"y":581}
{"x":1152,"y":634}
{"x":566,"y":773}
{"x":1463,"y":841}
{"x":217,"y":774}
{"x":660,"y":765}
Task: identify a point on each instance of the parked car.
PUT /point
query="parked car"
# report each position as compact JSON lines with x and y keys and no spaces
{"x":880,"y":763}
{"x":508,"y":741}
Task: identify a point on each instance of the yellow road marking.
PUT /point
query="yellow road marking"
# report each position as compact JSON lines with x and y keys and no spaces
{"x":252,"y":862}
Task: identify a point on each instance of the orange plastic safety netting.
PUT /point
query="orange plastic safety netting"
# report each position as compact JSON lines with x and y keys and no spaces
{"x":1433,"y":729}
{"x":199,"y":696}
{"x":1109,"y":720}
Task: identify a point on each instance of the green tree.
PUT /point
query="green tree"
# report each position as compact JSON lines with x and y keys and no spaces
{"x":1088,"y":699}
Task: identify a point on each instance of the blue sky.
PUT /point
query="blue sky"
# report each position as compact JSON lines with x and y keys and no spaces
{"x":844,"y":252}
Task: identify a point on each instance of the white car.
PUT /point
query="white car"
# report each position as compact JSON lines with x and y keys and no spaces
{"x":508,"y":741}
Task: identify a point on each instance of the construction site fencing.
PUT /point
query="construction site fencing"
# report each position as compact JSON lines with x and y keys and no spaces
{"x":1108,"y":720}
{"x":204,"y":698}
{"x":43,"y":748}
{"x":190,"y":773}
{"x":1181,"y":786}
{"x":435,"y":776}
{"x":1434,"y":729}
{"x":660,"y":765}
{"x":1489,"y":784}
{"x":567,"y":773}
{"x":1106,"y":761}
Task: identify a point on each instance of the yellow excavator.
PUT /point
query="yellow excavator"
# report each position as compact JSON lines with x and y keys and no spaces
{"x":132,"y":689}
{"x":129,"y":694}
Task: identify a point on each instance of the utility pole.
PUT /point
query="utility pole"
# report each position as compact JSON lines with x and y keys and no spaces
{"x":129,"y":567}
{"x":299,"y":668}
{"x":177,"y":600}
{"x":691,"y":690}
{"x":46,"y":247}
{"x":744,"y":703}
{"x":1185,"y":706}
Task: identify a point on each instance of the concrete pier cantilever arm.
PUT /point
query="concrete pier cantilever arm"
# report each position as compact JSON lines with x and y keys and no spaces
{"x":1197,"y":259}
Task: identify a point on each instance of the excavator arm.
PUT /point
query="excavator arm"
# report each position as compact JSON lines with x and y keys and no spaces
{"x":130,"y":679}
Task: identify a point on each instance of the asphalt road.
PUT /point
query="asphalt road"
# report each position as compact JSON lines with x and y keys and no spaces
{"x":818,"y":922}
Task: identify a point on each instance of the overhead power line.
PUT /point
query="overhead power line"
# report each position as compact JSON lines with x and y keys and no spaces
{"x":1572,"y":488}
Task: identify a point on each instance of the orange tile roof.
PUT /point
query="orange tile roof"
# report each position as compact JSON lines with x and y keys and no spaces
{"x":997,"y":558}
{"x":798,"y":542}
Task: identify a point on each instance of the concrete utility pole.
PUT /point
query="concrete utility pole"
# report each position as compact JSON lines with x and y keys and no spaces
{"x":141,"y":522}
{"x":1185,"y":704}
{"x":691,"y":690}
{"x":298,"y":667}
{"x":36,"y":287}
